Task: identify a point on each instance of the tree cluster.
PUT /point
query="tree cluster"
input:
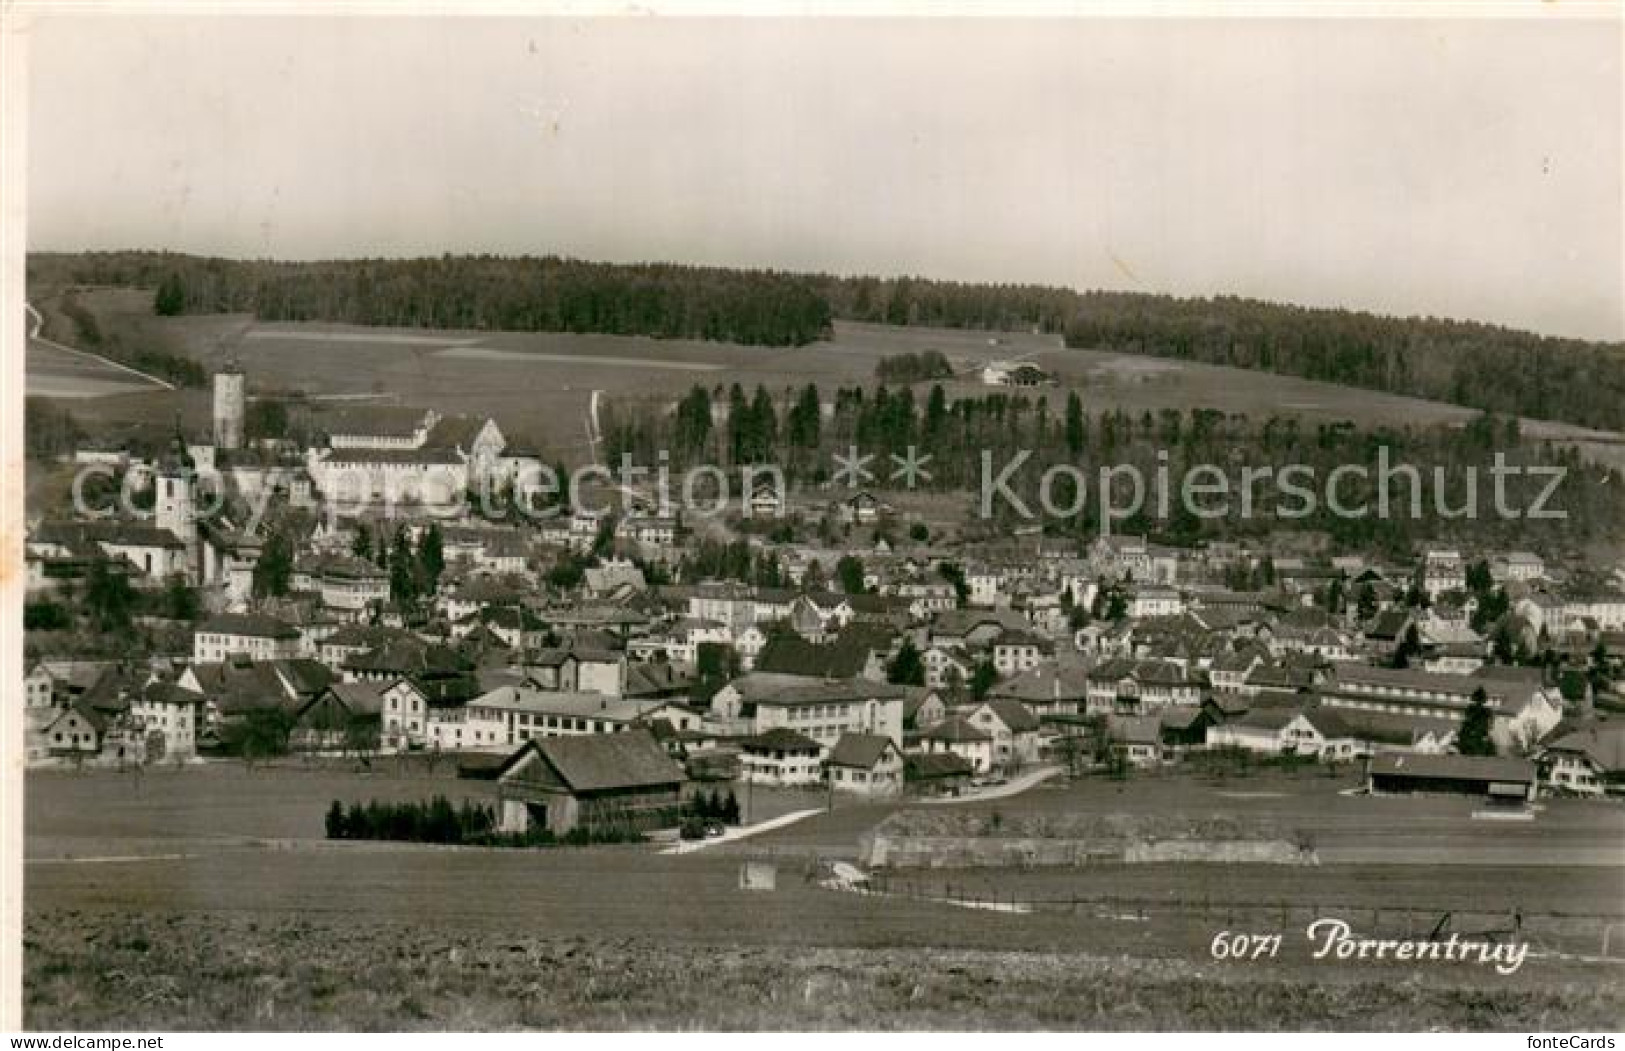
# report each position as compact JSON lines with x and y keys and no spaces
{"x":485,"y":292}
{"x":909,"y":368}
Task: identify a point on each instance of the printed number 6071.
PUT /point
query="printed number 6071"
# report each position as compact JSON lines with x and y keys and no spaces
{"x":1227,"y":946}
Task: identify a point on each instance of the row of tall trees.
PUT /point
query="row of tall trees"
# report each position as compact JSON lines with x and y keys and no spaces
{"x":1425,"y":476}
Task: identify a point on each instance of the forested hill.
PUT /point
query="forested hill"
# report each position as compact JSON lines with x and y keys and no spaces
{"x":1481,"y":366}
{"x":469,"y":292}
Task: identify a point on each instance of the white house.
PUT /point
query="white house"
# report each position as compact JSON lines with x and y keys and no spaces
{"x":866,"y":764}
{"x":254,"y":635}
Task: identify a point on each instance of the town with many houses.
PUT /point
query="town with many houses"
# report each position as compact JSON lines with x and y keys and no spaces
{"x":883,"y":664}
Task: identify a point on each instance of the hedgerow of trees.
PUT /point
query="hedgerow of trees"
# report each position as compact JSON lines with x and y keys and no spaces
{"x":526,"y":293}
{"x":1006,"y":426}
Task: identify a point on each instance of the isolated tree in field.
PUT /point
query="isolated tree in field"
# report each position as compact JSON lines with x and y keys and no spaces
{"x":1474,"y":737}
{"x":273,"y":573}
{"x":907,"y":668}
{"x":171,"y":298}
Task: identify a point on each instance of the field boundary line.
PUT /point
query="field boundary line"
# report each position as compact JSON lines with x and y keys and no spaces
{"x":54,"y":345}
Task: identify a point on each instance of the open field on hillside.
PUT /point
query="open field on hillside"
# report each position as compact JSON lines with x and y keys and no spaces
{"x":53,"y":372}
{"x":537,"y":385}
{"x":128,"y":882}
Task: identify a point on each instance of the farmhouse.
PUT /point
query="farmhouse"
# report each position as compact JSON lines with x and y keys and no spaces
{"x":169,"y":717}
{"x":598,"y":783}
{"x":344,"y":582}
{"x":867,"y":764}
{"x":1136,"y":740}
{"x":1015,"y":652}
{"x":957,"y":736}
{"x":404,"y":711}
{"x":860,"y":508}
{"x":940,"y":773}
{"x":781,"y":757}
{"x":1048,"y":689}
{"x":346,"y":715}
{"x":1012,"y":727}
{"x":1590,"y":761}
{"x":1286,"y":731}
{"x":1500,"y":778}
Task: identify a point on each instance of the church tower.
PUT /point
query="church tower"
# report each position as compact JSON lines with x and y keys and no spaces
{"x":228,"y":407}
{"x":172,"y":503}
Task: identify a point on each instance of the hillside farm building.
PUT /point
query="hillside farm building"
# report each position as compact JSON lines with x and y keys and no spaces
{"x":597,"y":782}
{"x":1511,"y":780}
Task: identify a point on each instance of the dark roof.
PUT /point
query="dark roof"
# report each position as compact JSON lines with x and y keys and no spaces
{"x":304,"y":675}
{"x":1603,"y":745}
{"x":1146,"y":729}
{"x":1389,"y":624}
{"x":169,"y":693}
{"x":777,"y":691}
{"x":455,"y":432}
{"x":373,"y":421}
{"x":1017,"y":716}
{"x":1266,"y":718}
{"x":780,"y":739}
{"x":1453,"y":767}
{"x":928,"y":767}
{"x":256,"y":625}
{"x":793,"y":655}
{"x":410,"y":656}
{"x":1398,"y":728}
{"x":365,"y":636}
{"x":366,"y":456}
{"x":242,"y":686}
{"x":955,"y":730}
{"x":595,"y":762}
{"x":860,"y":750}
{"x":1045,"y":683}
{"x":131,"y":534}
{"x":340,"y":566}
{"x":362,"y":698}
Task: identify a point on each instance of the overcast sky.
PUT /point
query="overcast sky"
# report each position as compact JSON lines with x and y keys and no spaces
{"x":1448,"y":168}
